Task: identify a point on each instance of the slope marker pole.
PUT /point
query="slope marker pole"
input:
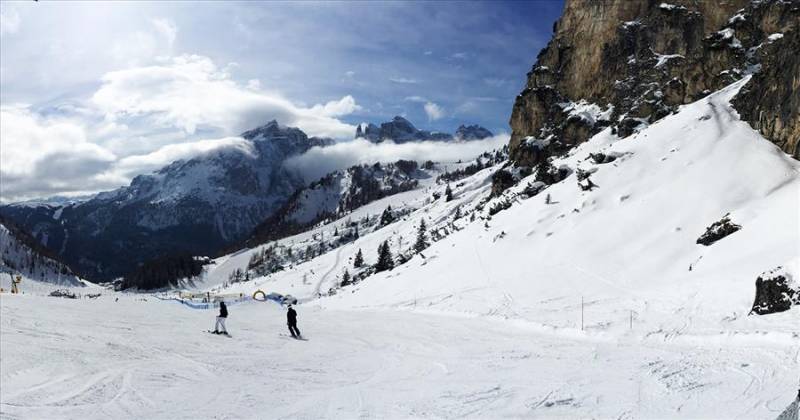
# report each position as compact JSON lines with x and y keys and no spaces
{"x":631,"y":319}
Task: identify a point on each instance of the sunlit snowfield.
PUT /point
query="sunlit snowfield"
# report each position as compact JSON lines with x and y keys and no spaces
{"x":140,"y":358}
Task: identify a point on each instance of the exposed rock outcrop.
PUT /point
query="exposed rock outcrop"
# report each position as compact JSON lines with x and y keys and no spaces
{"x":401,"y":130}
{"x":718,"y":230}
{"x":770,"y":102}
{"x":628,"y":63}
{"x":775,"y":292}
{"x":472,"y":132}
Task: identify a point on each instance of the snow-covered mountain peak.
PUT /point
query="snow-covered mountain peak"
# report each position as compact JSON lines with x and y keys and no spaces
{"x":218,"y":196}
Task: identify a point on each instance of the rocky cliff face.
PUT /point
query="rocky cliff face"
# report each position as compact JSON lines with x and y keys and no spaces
{"x":628,"y":63}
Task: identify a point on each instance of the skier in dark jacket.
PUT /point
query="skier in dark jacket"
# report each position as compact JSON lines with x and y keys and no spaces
{"x":223,"y":315}
{"x":291,"y":320}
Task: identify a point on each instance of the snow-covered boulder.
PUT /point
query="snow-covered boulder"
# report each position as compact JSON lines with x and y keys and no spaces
{"x":718,"y":230}
{"x":775,"y":292}
{"x":600,"y":158}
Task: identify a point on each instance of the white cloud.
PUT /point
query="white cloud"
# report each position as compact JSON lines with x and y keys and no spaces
{"x":346,"y":105}
{"x":140,"y":119}
{"x":416,"y":99}
{"x":468,"y":107}
{"x":472,"y":105}
{"x":495,"y":82}
{"x":42,"y":156}
{"x":166,"y":28}
{"x":53,"y":156}
{"x":433,"y":111}
{"x":321,"y":160}
{"x":9,"y":20}
{"x":350,"y":73}
{"x":459,"y":56}
{"x":403,"y":80}
{"x":130,"y":166}
{"x":140,"y":47}
{"x":189,"y":91}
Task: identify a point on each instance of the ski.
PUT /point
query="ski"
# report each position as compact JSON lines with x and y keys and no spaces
{"x":301,"y":338}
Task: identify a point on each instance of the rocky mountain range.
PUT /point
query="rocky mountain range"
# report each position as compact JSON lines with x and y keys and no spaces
{"x":400,"y":130}
{"x":630,"y":63}
{"x":195,"y":206}
{"x":337,"y":194}
{"x":202,"y":205}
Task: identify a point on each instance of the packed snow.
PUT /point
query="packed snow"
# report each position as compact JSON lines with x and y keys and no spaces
{"x":775,"y":37}
{"x":587,"y":111}
{"x":591,"y":303}
{"x":664,"y":58}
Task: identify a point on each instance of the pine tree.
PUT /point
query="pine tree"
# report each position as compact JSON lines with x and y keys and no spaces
{"x":236,"y":276}
{"x":547,"y":199}
{"x":345,"y":278}
{"x":387,"y":216}
{"x":385,"y":260}
{"x":448,"y":193}
{"x":359,"y":260}
{"x":335,"y":231}
{"x":422,"y":237}
{"x":457,"y":215}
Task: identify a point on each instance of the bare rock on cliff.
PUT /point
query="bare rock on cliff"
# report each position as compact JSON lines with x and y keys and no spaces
{"x":636,"y":61}
{"x":770,"y":102}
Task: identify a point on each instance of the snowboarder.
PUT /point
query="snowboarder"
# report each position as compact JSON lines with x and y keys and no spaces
{"x":223,"y":314}
{"x":291,"y":320}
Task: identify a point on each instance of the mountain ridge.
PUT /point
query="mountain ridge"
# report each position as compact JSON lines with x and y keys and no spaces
{"x":195,"y":206}
{"x":401,"y":130}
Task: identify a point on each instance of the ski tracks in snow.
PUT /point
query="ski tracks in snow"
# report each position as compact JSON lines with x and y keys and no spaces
{"x":324,"y":277}
{"x":380,"y":363}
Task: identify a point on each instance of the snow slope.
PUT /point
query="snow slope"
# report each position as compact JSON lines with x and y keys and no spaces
{"x":220,"y":270}
{"x":147,"y":358}
{"x":626,"y":245}
{"x":18,"y":258}
{"x":624,"y":249}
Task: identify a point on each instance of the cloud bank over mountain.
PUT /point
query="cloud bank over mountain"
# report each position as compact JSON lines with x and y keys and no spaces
{"x":139,"y":119}
{"x":321,"y":160}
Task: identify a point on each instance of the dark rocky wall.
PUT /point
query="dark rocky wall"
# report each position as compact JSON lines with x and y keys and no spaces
{"x":612,"y":53}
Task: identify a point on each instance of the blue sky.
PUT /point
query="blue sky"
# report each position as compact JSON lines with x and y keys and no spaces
{"x":128,"y":86}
